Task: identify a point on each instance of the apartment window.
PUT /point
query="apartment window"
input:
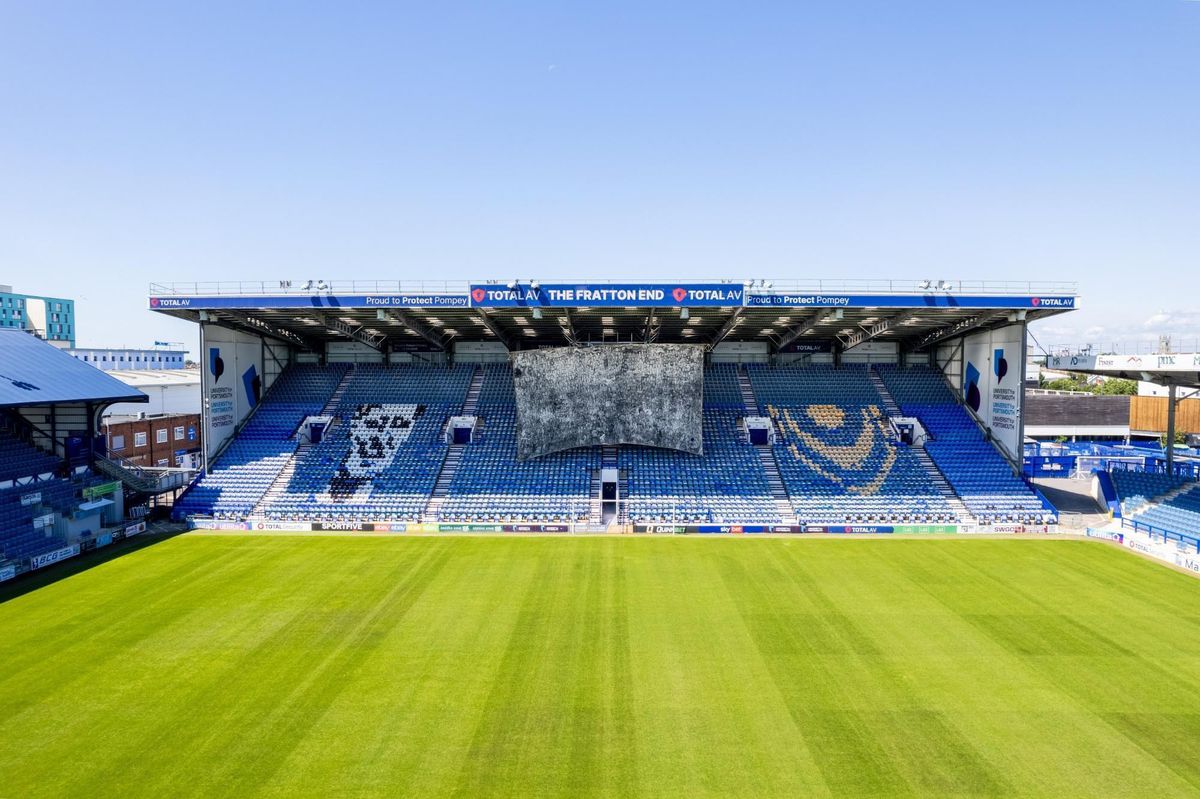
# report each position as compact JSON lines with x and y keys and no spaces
{"x":179,"y":433}
{"x":118,"y":443}
{"x":160,"y":436}
{"x":139,"y":439}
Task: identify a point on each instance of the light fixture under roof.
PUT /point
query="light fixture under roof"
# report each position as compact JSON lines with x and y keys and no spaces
{"x":536,"y":313}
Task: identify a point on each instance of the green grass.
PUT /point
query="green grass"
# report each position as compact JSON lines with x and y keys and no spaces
{"x":308,"y":666}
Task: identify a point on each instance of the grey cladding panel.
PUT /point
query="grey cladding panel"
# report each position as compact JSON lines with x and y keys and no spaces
{"x":649,"y":394}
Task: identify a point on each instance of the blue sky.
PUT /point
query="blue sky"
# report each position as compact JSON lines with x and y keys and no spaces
{"x":1056,"y":139}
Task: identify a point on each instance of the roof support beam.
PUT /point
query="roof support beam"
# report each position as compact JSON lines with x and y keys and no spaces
{"x":356,"y":332}
{"x":957,"y":329}
{"x":649,"y":334}
{"x":256,"y":325}
{"x":811,"y":323}
{"x":491,"y":325}
{"x":572,"y":338}
{"x":416,"y":326}
{"x":865,"y":334}
{"x":733,"y":321}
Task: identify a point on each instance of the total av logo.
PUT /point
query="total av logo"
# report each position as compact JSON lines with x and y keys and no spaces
{"x":478,"y":295}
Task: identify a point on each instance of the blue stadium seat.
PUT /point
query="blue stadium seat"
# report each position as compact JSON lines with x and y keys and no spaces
{"x":979,"y":474}
{"x":382,"y":458}
{"x":836,"y":452}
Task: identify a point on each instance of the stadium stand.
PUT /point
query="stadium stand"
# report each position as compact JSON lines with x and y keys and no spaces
{"x":491,"y":485}
{"x":1178,"y":514}
{"x":836,"y":452}
{"x":974,"y":468}
{"x":837,"y":455}
{"x":1136,"y":488}
{"x":18,"y":459}
{"x":267,"y":441}
{"x":382,"y":459}
{"x":724,"y":485}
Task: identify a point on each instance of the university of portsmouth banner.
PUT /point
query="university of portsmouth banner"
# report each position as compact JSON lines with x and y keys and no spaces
{"x":302,"y":301}
{"x":992,"y":383}
{"x":810,"y":300}
{"x":608,"y":295}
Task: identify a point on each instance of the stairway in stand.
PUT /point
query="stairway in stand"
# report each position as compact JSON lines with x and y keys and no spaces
{"x":280,"y":483}
{"x":336,"y":397}
{"x":472,"y":400}
{"x":766,"y":454}
{"x":889,"y":402}
{"x":748,"y":398}
{"x":454,"y":453}
{"x":595,"y":507}
{"x":943,"y":486}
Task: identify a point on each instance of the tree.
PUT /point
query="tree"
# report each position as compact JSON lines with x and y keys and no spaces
{"x":1118,"y":386}
{"x":1066,"y":384}
{"x":1180,"y":438}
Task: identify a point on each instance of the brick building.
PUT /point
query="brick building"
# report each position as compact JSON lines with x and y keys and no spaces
{"x":156,"y":440}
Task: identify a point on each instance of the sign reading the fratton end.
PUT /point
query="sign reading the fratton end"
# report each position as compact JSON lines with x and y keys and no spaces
{"x":608,"y":295}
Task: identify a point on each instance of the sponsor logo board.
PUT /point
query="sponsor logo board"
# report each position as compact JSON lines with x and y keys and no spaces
{"x":47,"y":558}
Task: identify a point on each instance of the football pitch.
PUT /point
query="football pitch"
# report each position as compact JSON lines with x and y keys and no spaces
{"x":219,"y":665}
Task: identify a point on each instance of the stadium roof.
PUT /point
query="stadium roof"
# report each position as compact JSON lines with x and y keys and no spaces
{"x":33,"y":372}
{"x":157,"y":377}
{"x":1164,"y":369}
{"x":788,"y":314}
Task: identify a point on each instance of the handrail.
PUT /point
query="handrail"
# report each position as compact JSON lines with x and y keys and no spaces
{"x":1167,"y":535}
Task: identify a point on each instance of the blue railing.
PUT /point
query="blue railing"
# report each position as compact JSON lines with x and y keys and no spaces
{"x":1161,"y":532}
